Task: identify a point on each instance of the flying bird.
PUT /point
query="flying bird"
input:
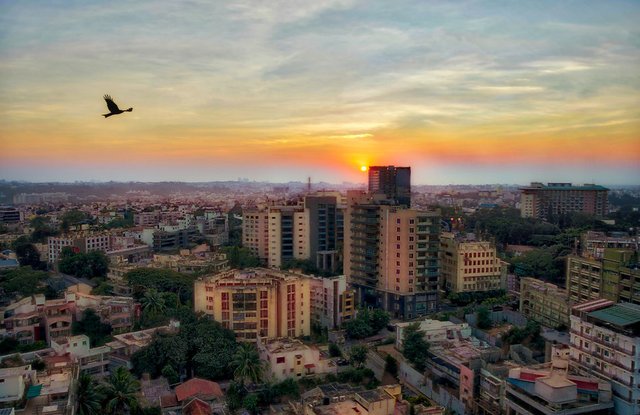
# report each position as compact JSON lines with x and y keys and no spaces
{"x":113,"y":108}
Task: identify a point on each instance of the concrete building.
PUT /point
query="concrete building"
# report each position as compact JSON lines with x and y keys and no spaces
{"x":13,"y":383}
{"x":343,"y":399}
{"x":290,"y":358}
{"x":57,"y":317}
{"x":555,"y":199}
{"x":257,"y":302}
{"x":544,"y":302}
{"x":332,"y":303}
{"x":616,"y":276}
{"x":93,"y":361}
{"x":605,"y":343}
{"x":594,"y":243}
{"x":9,"y":215}
{"x":468,"y":265}
{"x":326,"y":229}
{"x":255,"y":232}
{"x":119,"y":312}
{"x":80,"y":243}
{"x":392,"y":182}
{"x":435,"y":331}
{"x":125,"y":345}
{"x":391,"y":255}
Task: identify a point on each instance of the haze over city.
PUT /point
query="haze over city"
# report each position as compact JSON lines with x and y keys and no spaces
{"x":464,"y":92}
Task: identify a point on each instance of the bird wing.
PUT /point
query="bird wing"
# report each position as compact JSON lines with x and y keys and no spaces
{"x":110,"y":104}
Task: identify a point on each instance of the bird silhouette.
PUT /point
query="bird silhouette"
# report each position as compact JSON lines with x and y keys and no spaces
{"x":113,"y":108}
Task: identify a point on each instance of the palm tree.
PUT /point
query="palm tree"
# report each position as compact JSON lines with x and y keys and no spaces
{"x":120,"y":392}
{"x":153,"y":302}
{"x":247,"y":363}
{"x":88,"y":397}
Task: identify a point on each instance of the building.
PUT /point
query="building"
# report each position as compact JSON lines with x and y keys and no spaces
{"x":80,"y":243}
{"x":605,"y":343}
{"x":326,"y":230}
{"x":343,"y":399}
{"x":119,"y":312}
{"x":614,"y":276}
{"x":331,"y":302}
{"x":391,"y":255}
{"x":93,"y":361}
{"x":393,"y":182}
{"x":9,"y":215}
{"x":125,"y":345}
{"x":257,"y":302}
{"x":13,"y":383}
{"x":555,"y":199}
{"x":291,"y":358}
{"x":468,"y":265}
{"x":57,"y":317}
{"x":435,"y":331}
{"x":255,"y":232}
{"x":544,"y":302}
{"x":549,"y":390}
{"x":594,"y":243}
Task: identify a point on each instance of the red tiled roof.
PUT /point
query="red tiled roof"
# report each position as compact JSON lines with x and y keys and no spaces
{"x":309,"y":365}
{"x":197,"y":407}
{"x":168,"y":401}
{"x":197,"y":386}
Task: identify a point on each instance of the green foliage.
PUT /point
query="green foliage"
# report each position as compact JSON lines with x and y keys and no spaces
{"x":484,"y":322}
{"x":170,"y":373}
{"x":240,"y":257}
{"x":42,"y":229}
{"x":23,"y":281}
{"x":545,"y":263}
{"x":391,"y":365}
{"x":88,"y":396}
{"x":507,"y":227}
{"x":528,"y":335}
{"x":72,"y":218}
{"x":250,"y":403}
{"x":287,"y":387}
{"x":162,"y":280}
{"x":355,"y":375}
{"x":465,"y":298}
{"x":120,"y":392}
{"x":358,"y":355}
{"x":125,"y":222}
{"x":367,"y":323}
{"x":89,"y":265}
{"x":234,"y":396}
{"x":334,"y":350}
{"x":28,"y":255}
{"x":104,"y":288}
{"x":99,"y":333}
{"x":247,"y":364}
{"x":415,"y":348}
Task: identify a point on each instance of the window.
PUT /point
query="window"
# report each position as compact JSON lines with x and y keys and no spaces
{"x":280,"y":359}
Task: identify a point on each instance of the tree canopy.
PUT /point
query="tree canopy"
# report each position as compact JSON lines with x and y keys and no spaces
{"x":23,"y":281}
{"x":90,"y":265}
{"x":367,"y":323}
{"x":162,"y":280}
{"x":414,"y":347}
{"x":99,"y":333}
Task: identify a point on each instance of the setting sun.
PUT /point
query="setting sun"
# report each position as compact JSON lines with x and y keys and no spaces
{"x":363,"y":168}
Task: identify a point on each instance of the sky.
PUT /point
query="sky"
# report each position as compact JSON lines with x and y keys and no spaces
{"x":464,"y":92}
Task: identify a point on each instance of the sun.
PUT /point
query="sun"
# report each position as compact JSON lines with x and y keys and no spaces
{"x":363,"y":168}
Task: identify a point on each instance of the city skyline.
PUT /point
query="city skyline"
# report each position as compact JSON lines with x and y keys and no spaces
{"x":464,"y":93}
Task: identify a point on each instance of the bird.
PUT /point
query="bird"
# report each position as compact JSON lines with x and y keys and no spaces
{"x":113,"y":108}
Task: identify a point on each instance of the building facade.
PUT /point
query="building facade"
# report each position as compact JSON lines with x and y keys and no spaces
{"x":332,"y":303}
{"x":393,"y":182}
{"x":544,"y":302}
{"x":291,"y":358}
{"x":326,"y":230}
{"x":605,"y":343}
{"x":257,"y":302}
{"x":468,"y":265}
{"x":555,"y":199}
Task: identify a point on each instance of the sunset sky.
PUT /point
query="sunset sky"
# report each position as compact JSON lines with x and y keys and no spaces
{"x":461,"y":91}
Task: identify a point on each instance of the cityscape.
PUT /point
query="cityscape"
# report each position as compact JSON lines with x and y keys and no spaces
{"x":336,"y":207}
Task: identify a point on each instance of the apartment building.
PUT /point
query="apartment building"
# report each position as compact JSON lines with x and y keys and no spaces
{"x":119,"y":312}
{"x":332,"y":303}
{"x":391,"y":255}
{"x":257,"y":302}
{"x":435,"y":331}
{"x":255,"y":232}
{"x":544,"y":302}
{"x":92,"y":361}
{"x":392,"y":182}
{"x":326,"y":229}
{"x":554,"y":199}
{"x":291,"y":358}
{"x":605,"y":343}
{"x":81,"y":243}
{"x":615,"y":276}
{"x":594,"y":243}
{"x":468,"y":265}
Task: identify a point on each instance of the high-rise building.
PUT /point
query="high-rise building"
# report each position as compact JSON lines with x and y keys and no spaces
{"x":467,"y":264}
{"x":394,"y":182}
{"x":255,"y":232}
{"x":605,"y":343}
{"x":554,"y":199}
{"x":257,"y":302}
{"x":391,"y":255}
{"x":9,"y":215}
{"x":332,"y":302}
{"x":326,"y":230}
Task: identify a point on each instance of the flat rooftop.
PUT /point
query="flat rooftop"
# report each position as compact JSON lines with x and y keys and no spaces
{"x":621,"y":315}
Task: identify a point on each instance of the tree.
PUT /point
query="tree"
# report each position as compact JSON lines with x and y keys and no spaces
{"x":153,"y":302}
{"x":367,"y":323}
{"x":240,"y":257}
{"x":334,"y":350}
{"x":234,"y":395}
{"x":23,"y":281}
{"x":391,"y":365}
{"x":358,"y":355}
{"x":484,"y":321}
{"x":28,"y":255}
{"x":92,"y":326}
{"x":163,"y":280}
{"x":89,"y":265}
{"x":247,"y":363}
{"x":170,"y":373}
{"x":88,"y":396}
{"x":415,"y":348}
{"x":250,"y":403}
{"x":120,"y":392}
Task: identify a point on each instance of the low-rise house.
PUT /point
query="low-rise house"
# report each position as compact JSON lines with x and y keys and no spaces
{"x":435,"y":331}
{"x":334,"y":399}
{"x":290,"y":358}
{"x":119,"y":312}
{"x":93,"y":361}
{"x":195,"y":396}
{"x":124,"y":345}
{"x":13,"y":383}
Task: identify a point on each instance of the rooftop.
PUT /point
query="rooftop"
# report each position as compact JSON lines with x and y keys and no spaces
{"x":347,"y":407}
{"x":622,"y":315}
